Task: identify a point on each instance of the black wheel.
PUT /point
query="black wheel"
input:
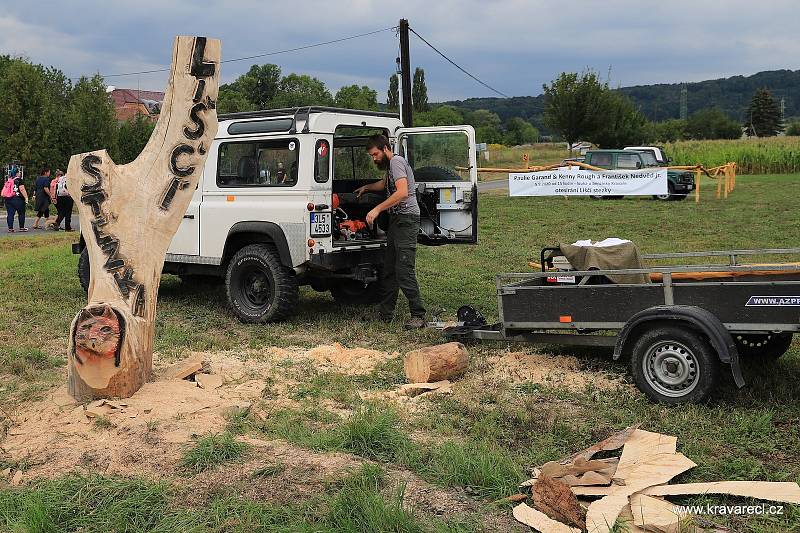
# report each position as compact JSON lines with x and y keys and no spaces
{"x":763,"y":345}
{"x":436,"y":173}
{"x":666,"y":197}
{"x":351,"y":292}
{"x":260,"y":289}
{"x":84,"y":274}
{"x":674,"y":365}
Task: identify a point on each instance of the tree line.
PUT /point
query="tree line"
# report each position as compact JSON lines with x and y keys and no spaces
{"x":45,"y":117}
{"x":579,"y":106}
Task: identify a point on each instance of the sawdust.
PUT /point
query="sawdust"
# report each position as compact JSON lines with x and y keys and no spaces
{"x":146,"y":434}
{"x":337,"y":358}
{"x":551,"y":370}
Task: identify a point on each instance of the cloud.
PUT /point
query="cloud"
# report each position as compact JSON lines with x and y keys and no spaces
{"x":514,"y":45}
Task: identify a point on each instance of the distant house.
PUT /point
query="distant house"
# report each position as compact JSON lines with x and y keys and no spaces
{"x":130,"y":102}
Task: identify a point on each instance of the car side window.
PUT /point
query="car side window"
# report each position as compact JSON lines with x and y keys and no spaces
{"x":601,"y":160}
{"x":263,"y":163}
{"x":322,"y":161}
{"x":627,"y":161}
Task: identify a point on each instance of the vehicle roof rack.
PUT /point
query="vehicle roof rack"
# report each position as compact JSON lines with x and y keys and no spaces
{"x":293,"y":111}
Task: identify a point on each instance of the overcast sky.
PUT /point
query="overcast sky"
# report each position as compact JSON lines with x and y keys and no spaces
{"x":513,"y":45}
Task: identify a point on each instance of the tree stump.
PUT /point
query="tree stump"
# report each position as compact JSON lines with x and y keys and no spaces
{"x":436,"y":363}
{"x":129,"y":214}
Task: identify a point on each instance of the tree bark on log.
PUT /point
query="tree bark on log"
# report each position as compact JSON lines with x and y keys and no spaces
{"x":436,"y":363}
{"x":129,"y":214}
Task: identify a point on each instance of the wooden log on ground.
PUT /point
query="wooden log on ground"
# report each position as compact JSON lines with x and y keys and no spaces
{"x":129,"y":214}
{"x":556,"y":500}
{"x":436,"y":363}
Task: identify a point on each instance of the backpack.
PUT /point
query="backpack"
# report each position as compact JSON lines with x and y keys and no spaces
{"x":8,"y":188}
{"x":61,"y":187}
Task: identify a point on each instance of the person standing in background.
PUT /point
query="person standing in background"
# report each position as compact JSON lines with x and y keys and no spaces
{"x":42,"y":197}
{"x":63,"y":201}
{"x":16,"y":197}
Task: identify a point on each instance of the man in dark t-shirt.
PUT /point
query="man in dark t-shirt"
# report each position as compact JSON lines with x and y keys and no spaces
{"x":398,"y":271}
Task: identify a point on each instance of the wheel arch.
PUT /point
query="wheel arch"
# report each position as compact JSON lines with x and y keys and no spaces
{"x":696,"y":318}
{"x":254,"y":232}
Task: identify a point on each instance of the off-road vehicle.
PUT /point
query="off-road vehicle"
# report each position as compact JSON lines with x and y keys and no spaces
{"x":275,"y":207}
{"x":679,"y":182}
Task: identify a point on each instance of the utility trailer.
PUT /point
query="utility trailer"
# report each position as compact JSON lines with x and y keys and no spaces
{"x":678,"y":330}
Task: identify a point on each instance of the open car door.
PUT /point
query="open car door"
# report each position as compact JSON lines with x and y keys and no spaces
{"x":446,"y":173}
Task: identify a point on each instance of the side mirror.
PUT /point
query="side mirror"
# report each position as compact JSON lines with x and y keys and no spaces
{"x":638,"y":164}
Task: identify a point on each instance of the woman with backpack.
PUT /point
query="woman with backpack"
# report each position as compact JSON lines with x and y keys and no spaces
{"x":16,"y":197}
{"x":63,"y":202}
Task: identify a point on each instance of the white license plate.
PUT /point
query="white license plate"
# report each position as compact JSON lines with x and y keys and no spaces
{"x":321,"y":224}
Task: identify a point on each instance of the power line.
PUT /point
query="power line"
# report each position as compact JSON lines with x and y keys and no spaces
{"x":264,"y":54}
{"x":456,"y":65}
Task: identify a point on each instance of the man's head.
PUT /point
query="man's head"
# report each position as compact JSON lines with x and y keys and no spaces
{"x":378,"y":148}
{"x":45,"y":172}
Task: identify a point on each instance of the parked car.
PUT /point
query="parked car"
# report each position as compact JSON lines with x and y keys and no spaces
{"x":679,"y":182}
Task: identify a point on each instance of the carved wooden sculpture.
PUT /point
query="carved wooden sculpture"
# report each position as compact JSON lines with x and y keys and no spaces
{"x":129,"y":214}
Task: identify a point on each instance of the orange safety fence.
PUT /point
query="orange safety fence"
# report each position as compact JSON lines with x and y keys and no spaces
{"x":725,"y":175}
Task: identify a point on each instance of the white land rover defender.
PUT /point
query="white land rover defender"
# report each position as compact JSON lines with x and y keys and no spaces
{"x":275,"y":207}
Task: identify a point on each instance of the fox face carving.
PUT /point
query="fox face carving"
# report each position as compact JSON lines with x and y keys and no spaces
{"x":98,"y":334}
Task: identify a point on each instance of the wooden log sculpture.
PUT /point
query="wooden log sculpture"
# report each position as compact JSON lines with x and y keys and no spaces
{"x":129,"y":214}
{"x":436,"y":363}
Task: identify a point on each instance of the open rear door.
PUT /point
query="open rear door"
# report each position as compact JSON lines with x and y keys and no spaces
{"x":445,"y":169}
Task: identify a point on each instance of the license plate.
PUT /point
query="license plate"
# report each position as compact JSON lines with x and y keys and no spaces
{"x":321,"y":224}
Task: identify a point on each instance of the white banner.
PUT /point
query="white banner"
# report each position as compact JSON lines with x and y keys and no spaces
{"x":574,"y":181}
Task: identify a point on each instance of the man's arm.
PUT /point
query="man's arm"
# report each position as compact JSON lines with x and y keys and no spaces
{"x":377,"y":186}
{"x":400,"y":194}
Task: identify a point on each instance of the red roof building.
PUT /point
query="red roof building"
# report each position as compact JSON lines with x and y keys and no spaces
{"x":130,"y":102}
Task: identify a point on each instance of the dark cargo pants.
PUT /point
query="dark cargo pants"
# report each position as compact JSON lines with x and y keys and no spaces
{"x":398,"y":266}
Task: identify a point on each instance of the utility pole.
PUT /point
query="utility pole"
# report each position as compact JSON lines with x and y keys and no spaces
{"x":405,"y":76}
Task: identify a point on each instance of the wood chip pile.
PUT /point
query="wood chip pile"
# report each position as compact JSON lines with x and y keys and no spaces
{"x":584,"y":493}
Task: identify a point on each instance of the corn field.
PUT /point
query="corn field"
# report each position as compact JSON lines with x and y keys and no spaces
{"x":773,"y":155}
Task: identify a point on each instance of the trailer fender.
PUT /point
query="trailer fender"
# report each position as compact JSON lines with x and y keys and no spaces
{"x":700,"y":319}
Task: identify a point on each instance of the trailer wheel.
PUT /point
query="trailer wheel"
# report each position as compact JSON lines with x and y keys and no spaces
{"x":764,"y":345}
{"x":674,"y":365}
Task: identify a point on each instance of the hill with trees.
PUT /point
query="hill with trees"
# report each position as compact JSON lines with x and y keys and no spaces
{"x":661,"y":102}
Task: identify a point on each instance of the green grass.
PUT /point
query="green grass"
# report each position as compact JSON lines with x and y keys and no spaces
{"x":485,"y":437}
{"x":363,"y":501}
{"x":211,"y":451}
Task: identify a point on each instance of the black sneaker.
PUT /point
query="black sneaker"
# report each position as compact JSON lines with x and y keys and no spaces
{"x":415,"y":322}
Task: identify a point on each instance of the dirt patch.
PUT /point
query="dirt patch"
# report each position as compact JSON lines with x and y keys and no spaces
{"x":146,"y":434}
{"x":336,"y":358}
{"x":551,"y":370}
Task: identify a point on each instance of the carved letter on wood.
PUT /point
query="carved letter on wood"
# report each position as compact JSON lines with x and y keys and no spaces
{"x":129,"y":214}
